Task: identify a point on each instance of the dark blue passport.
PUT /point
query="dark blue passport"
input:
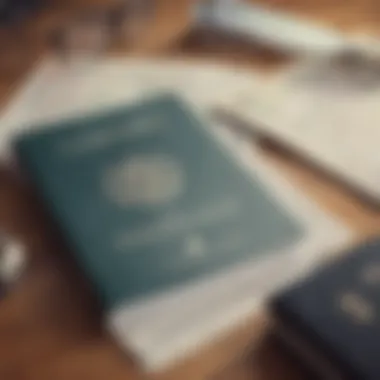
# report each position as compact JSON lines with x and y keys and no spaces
{"x":332,"y":319}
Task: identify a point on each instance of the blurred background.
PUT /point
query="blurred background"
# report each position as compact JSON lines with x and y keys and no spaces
{"x":297,"y":80}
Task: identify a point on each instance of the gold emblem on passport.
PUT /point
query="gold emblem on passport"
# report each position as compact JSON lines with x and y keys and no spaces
{"x":357,"y":308}
{"x":144,"y":180}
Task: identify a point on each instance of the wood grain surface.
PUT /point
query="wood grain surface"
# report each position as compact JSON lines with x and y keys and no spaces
{"x":49,"y":324}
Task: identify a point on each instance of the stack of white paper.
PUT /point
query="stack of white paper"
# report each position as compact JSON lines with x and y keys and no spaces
{"x":152,"y":330}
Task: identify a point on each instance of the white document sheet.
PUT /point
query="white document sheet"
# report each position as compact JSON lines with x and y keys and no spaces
{"x":166,"y":329}
{"x":327,"y":114}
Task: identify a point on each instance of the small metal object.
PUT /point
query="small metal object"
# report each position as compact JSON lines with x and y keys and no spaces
{"x":92,"y":31}
{"x":12,"y":262}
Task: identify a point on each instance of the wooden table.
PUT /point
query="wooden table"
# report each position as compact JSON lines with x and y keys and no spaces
{"x":48,"y":325}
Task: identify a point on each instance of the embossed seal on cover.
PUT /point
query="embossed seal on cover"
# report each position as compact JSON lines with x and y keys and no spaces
{"x":144,"y":180}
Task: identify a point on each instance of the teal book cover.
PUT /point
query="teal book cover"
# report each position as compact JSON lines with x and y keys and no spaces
{"x":147,"y":198}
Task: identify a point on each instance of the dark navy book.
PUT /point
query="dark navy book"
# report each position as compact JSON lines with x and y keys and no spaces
{"x":331,"y":320}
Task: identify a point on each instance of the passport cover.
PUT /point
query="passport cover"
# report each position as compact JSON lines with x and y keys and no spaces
{"x":148,"y":199}
{"x":334,"y":314}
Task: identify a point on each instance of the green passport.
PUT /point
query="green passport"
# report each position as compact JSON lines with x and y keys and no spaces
{"x":148,"y":199}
